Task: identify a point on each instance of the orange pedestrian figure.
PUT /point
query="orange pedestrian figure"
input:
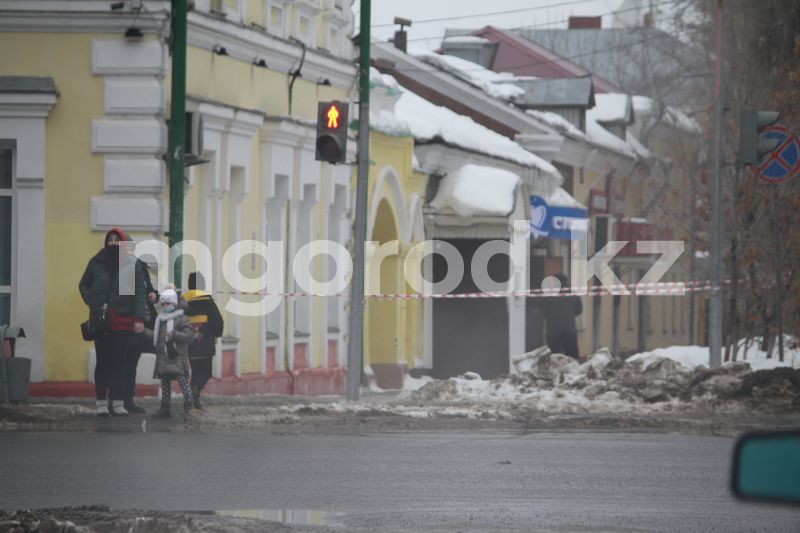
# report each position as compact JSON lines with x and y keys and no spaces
{"x":333,"y":117}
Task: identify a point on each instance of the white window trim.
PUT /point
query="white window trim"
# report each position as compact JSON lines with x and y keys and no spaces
{"x":23,"y":121}
{"x":305,"y":10}
{"x":283,"y":5}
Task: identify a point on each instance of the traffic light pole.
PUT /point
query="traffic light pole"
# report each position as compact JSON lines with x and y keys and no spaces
{"x":177,"y":136}
{"x":715,"y":318}
{"x":356,"y":344}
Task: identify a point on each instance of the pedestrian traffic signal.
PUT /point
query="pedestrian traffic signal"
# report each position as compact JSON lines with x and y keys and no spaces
{"x":751,"y":148}
{"x":332,"y":131}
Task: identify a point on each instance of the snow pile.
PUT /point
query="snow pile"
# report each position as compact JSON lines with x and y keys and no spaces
{"x":490,"y":82}
{"x":477,"y":190}
{"x":748,"y":352}
{"x":560,"y":384}
{"x":430,"y":122}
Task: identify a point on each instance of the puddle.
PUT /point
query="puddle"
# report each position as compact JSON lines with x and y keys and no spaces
{"x":302,"y":517}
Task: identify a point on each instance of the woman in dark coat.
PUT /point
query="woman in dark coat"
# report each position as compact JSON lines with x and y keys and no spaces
{"x":100,"y":289}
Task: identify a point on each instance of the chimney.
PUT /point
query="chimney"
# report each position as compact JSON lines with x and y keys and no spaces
{"x":585,"y":23}
{"x":401,"y":36}
{"x":647,"y":21}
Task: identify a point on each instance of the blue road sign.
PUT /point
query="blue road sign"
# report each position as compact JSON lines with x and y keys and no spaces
{"x":783,"y":162}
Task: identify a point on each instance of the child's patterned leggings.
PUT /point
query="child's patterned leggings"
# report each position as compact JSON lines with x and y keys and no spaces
{"x":166,"y":390}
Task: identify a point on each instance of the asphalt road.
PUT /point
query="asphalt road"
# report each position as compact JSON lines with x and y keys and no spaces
{"x":414,"y":481}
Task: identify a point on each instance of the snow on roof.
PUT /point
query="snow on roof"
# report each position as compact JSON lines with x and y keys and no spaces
{"x":672,"y":116}
{"x":428,"y":121}
{"x":640,"y":149}
{"x":477,"y":190}
{"x":376,"y":78}
{"x":465,"y":39}
{"x":562,"y":198}
{"x":601,"y":136}
{"x":487,"y":80}
{"x":558,"y":122}
{"x":611,"y":107}
{"x":386,"y":122}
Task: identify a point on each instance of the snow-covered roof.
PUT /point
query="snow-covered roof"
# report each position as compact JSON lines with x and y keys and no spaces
{"x":674,"y":117}
{"x":465,"y":39}
{"x":597,"y":134}
{"x":487,"y":80}
{"x":562,"y":198}
{"x":640,"y":149}
{"x":428,"y":122}
{"x":558,"y":122}
{"x":477,"y":190}
{"x":612,"y":107}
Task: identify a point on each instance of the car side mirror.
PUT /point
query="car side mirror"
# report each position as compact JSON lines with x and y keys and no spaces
{"x":766,"y":467}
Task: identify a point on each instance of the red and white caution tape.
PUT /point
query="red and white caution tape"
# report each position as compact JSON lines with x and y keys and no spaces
{"x":631,"y":289}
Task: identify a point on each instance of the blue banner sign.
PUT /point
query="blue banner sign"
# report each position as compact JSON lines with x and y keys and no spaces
{"x":556,"y":221}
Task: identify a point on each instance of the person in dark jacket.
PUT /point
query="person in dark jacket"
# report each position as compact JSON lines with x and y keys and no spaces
{"x":142,"y":343}
{"x":99,"y":287}
{"x":559,"y":313}
{"x":208,"y":325}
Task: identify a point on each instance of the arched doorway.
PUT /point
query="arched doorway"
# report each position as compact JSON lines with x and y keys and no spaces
{"x":383,"y":317}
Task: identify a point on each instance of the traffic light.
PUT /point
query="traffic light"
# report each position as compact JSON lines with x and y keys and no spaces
{"x":751,"y":148}
{"x":332,"y":131}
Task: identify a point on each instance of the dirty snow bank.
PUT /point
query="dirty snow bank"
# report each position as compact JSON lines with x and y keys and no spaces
{"x":559,"y":384}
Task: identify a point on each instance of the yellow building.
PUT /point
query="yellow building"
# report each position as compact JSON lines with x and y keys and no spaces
{"x":393,"y":339}
{"x":83,"y":121}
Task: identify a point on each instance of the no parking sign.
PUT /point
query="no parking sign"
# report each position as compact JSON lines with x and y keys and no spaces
{"x":784,"y":161}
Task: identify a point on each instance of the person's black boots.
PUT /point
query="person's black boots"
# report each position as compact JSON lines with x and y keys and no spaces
{"x":163,"y":412}
{"x":196,"y":396}
{"x":132,"y":408}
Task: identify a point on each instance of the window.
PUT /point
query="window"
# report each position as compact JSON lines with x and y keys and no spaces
{"x":6,"y":225}
{"x":304,"y":27}
{"x":276,"y":19}
{"x":333,"y":40}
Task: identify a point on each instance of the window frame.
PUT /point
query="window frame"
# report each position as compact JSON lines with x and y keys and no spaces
{"x":11,"y":145}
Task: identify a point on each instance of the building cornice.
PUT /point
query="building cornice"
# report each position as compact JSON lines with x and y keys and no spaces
{"x":242,"y":42}
{"x":245,"y":44}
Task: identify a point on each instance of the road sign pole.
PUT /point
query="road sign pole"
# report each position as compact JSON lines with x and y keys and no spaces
{"x":715,"y":318}
{"x":776,"y":256}
{"x":356,"y":344}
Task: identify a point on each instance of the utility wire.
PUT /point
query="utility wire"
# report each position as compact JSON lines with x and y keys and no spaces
{"x":491,"y":13}
{"x":545,"y":61}
{"x":543,"y":24}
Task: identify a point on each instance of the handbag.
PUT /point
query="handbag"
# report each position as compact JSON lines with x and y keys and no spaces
{"x":96,"y":326}
{"x":171,"y":368}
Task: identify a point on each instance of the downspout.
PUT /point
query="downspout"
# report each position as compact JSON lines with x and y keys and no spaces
{"x":297,"y":72}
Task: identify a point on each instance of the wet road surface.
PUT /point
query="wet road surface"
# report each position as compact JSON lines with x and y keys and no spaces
{"x":409,"y":481}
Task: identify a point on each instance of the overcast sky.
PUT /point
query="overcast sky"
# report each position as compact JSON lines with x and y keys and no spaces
{"x":476,"y":14}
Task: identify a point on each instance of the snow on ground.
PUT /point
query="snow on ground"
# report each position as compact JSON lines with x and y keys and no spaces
{"x":698,"y":356}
